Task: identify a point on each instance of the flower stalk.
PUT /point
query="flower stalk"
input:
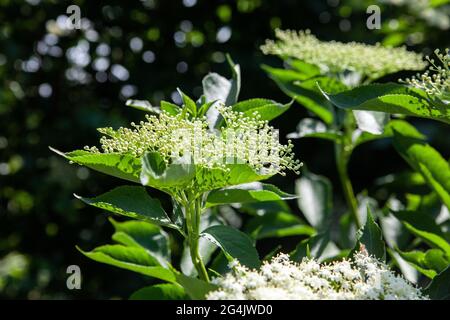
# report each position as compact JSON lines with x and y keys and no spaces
{"x":193,"y":211}
{"x":343,"y":152}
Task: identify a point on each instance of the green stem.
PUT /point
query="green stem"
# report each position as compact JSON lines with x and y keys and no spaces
{"x":341,"y":163}
{"x":193,"y":213}
{"x":343,"y":151}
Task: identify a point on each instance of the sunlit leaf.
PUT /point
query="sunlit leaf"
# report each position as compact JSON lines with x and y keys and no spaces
{"x":143,"y":105}
{"x":118,"y":165}
{"x":439,"y":288}
{"x":166,"y":291}
{"x":424,"y":159}
{"x":250,"y":192}
{"x":195,"y":288}
{"x":234,"y":243}
{"x":312,"y":128}
{"x":431,"y":238}
{"x":133,"y":202}
{"x":314,"y":198}
{"x":133,"y":259}
{"x":429,"y":263}
{"x":267,"y":109}
{"x":277,"y":225}
{"x":371,"y":238}
{"x":155,"y":173}
{"x":389,"y":98}
{"x":143,"y":235}
{"x":371,"y":121}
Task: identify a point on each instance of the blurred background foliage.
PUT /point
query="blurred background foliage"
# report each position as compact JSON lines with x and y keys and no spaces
{"x":58,"y":85}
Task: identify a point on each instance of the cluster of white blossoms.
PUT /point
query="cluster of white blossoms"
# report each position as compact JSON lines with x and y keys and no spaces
{"x":436,"y":80}
{"x":242,"y":140}
{"x":362,"y":278}
{"x":371,"y":61}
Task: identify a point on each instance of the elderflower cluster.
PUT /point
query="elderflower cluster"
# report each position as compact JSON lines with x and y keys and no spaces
{"x":436,"y":80}
{"x":362,"y":278}
{"x":243,"y":140}
{"x":371,"y":61}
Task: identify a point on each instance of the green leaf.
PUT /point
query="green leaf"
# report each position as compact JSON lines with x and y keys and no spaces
{"x":216,"y":87}
{"x":370,"y":236}
{"x":122,"y":166}
{"x":236,"y":174}
{"x":277,"y":225}
{"x":204,"y":107}
{"x":143,"y":235}
{"x":234,"y":243}
{"x":233,"y":95}
{"x":426,"y":160}
{"x":371,"y":121}
{"x":409,"y":272}
{"x":244,"y":193}
{"x":312,"y":128}
{"x":437,"y":260}
{"x":432,"y":239}
{"x":133,"y":259}
{"x":188,"y":104}
{"x":429,"y":263}
{"x":284,"y":75}
{"x":177,"y":215}
{"x":166,"y":291}
{"x":315,"y":198}
{"x":301,"y":251}
{"x":303,"y":88}
{"x":360,"y":137}
{"x":195,"y":288}
{"x":419,"y":220}
{"x":306,"y":69}
{"x":170,"y":108}
{"x":394,"y":232}
{"x":155,"y":173}
{"x":267,"y":109}
{"x":425,"y":204}
{"x":438,"y":3}
{"x":319,"y":247}
{"x":142,"y":105}
{"x":133,"y":202}
{"x":439,"y":288}
{"x":411,"y":182}
{"x":347,"y":231}
{"x":389,"y":98}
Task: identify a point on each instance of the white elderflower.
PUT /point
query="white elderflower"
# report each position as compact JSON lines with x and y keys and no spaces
{"x":243,"y":139}
{"x":436,"y":80}
{"x":361,"y":278}
{"x":371,"y":61}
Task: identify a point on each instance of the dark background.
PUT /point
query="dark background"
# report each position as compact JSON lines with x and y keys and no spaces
{"x":57,"y":86}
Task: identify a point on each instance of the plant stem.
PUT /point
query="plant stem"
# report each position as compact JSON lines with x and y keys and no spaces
{"x":343,"y":151}
{"x":193,"y":213}
{"x":341,"y":163}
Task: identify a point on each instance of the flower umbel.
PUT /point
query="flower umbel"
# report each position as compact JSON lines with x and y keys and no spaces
{"x":436,"y":80}
{"x":371,"y":61}
{"x":242,"y":139}
{"x":362,"y":278}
